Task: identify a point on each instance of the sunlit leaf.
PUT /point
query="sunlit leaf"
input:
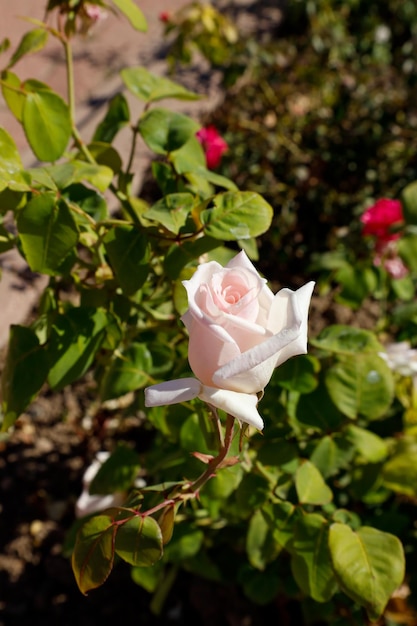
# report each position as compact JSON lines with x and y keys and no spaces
{"x":369,"y":565}
{"x":47,"y":124}
{"x":150,"y":87}
{"x":33,"y":41}
{"x":310,"y":485}
{"x":237,"y":215}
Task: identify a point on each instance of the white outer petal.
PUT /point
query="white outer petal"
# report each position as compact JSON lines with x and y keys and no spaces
{"x":87,"y":503}
{"x":241,"y":405}
{"x":172,"y":391}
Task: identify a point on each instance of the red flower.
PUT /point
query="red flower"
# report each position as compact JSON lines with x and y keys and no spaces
{"x":379,"y":219}
{"x":165,"y":16}
{"x":213,"y":144}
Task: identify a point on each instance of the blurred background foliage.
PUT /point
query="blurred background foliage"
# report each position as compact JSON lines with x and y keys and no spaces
{"x":320,"y":115}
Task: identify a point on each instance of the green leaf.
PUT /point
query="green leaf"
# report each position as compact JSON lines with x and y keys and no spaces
{"x":128,"y":252}
{"x":185,"y":252}
{"x":346,"y":340}
{"x":4,"y":45}
{"x":133,"y":14}
{"x":260,"y":546}
{"x":139,"y":541}
{"x":369,"y":445}
{"x":190,"y":157}
{"x":260,"y":587}
{"x":116,"y":118}
{"x":75,"y":339}
{"x":282,"y":517}
{"x":164,"y":131}
{"x":127,"y":372}
{"x":316,"y":410}
{"x":107,"y":157}
{"x":47,"y":124}
{"x":331,"y":454}
{"x":199,"y":175}
{"x":93,"y":556}
{"x":409,"y":203}
{"x":65,"y":174}
{"x":48,"y":233}
{"x":237,"y":215}
{"x":33,"y":41}
{"x":369,"y":565}
{"x":24,"y":373}
{"x":149,"y":87}
{"x":10,"y":165}
{"x":361,"y":384}
{"x":310,"y":485}
{"x":356,"y":284}
{"x":399,"y":473}
{"x":186,"y":542}
{"x":148,"y":577}
{"x":172,"y":211}
{"x":13,"y":93}
{"x":407,"y":249}
{"x":310,"y":562}
{"x":117,"y":473}
{"x":88,"y":200}
{"x":298,"y":374}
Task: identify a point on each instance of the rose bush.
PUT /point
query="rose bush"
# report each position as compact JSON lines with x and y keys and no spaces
{"x":239,"y":332}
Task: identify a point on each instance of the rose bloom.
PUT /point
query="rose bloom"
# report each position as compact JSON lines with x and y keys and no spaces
{"x":165,"y":16}
{"x":239,"y":332}
{"x":213,"y":144}
{"x":379,"y":219}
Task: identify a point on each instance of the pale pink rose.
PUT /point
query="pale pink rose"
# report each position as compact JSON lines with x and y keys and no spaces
{"x":396,"y":268}
{"x":95,"y":12}
{"x":213,"y":144}
{"x":239,"y":332}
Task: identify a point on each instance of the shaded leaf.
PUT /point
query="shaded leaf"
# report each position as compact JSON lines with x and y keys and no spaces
{"x":48,"y":233}
{"x":128,"y":252}
{"x":75,"y":339}
{"x":93,"y":556}
{"x":117,"y":473}
{"x":127,"y":372}
{"x":164,"y":131}
{"x":310,"y":562}
{"x":24,"y":373}
{"x":116,"y":118}
{"x":139,"y":541}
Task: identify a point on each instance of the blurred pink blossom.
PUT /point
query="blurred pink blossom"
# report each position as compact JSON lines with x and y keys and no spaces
{"x":213,"y":144}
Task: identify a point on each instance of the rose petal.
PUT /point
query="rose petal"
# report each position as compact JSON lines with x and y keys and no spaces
{"x":172,"y":391}
{"x":241,"y":405}
{"x":251,"y":371}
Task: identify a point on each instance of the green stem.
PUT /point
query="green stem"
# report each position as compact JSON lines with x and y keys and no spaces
{"x":70,"y":79}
